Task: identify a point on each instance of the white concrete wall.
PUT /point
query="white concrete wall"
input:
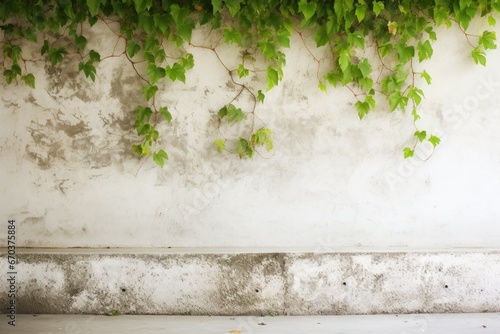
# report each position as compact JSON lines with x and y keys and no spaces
{"x":69,"y":179}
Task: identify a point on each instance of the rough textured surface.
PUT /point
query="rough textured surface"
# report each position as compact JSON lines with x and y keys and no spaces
{"x":232,"y":283}
{"x":69,"y":178}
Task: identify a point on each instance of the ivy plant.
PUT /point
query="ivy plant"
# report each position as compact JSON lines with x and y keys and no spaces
{"x":156,"y":33}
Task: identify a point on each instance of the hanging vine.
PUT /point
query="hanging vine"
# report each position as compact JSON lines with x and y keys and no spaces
{"x":156,"y":33}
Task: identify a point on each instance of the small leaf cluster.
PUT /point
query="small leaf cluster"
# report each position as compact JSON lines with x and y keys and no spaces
{"x":246,"y":147}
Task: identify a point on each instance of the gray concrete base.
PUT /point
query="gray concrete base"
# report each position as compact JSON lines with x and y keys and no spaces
{"x":351,"y":324}
{"x":145,"y":281}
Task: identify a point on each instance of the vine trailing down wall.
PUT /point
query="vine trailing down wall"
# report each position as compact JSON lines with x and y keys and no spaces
{"x":155,"y":35}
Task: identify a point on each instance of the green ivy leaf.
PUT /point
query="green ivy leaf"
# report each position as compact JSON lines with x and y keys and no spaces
{"x":13,"y":52}
{"x":88,"y":69}
{"x":243,"y":149}
{"x":16,"y":70}
{"x":185,"y":29}
{"x":232,"y":35}
{"x":491,"y":21}
{"x":404,"y":52}
{"x":283,"y":37}
{"x":495,"y":5}
{"x":262,"y":137}
{"x":360,"y":11}
{"x":234,"y":114}
{"x":142,"y":5}
{"x":12,"y":73}
{"x":424,"y":51}
{"x":187,"y":61}
{"x":161,"y":22}
{"x":332,"y":25}
{"x":363,"y":109}
{"x":307,"y":9}
{"x":178,"y":13}
{"x":378,"y":6}
{"x":260,"y":96}
{"x":80,"y":42}
{"x":217,"y":6}
{"x":365,"y":83}
{"x":434,"y":140}
{"x":94,"y":56}
{"x":415,"y":94}
{"x":233,"y":6}
{"x":479,"y":56}
{"x":385,"y":49}
{"x":222,"y":112}
{"x":421,"y":135}
{"x":176,"y":72}
{"x":9,"y":76}
{"x":242,"y":71}
{"x":92,"y":20}
{"x":272,"y":78}
{"x":390,"y":84}
{"x":141,"y":150}
{"x":29,"y":80}
{"x":356,"y":40}
{"x":426,"y":77}
{"x":143,"y":114}
{"x":267,"y":48}
{"x":166,"y":114}
{"x":365,"y":67}
{"x":137,"y":149}
{"x":415,"y":115}
{"x":344,"y":60}
{"x":333,"y":78}
{"x":143,"y":129}
{"x":56,"y":55}
{"x":149,"y":91}
{"x":146,"y":22}
{"x":370,"y":100}
{"x":322,"y":37}
{"x":431,"y":33}
{"x":45,"y":47}
{"x":93,"y":6}
{"x":132,"y":48}
{"x":155,"y":73}
{"x":322,"y":86}
{"x":397,"y":100}
{"x":151,"y":135}
{"x":463,"y":18}
{"x":441,"y":16}
{"x":220,"y":145}
{"x":487,"y":40}
{"x":408,"y":152}
{"x":159,"y":157}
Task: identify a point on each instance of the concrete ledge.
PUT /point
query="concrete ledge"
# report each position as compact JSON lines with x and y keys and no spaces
{"x":231,"y":283}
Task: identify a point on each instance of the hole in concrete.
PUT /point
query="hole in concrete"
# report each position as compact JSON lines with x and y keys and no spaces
{"x":124,"y":290}
{"x":446,"y":286}
{"x":257,"y":290}
{"x":344,"y":283}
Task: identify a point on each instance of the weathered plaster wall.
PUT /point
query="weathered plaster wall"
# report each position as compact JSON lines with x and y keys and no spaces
{"x":234,"y":283}
{"x":68,"y":176}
